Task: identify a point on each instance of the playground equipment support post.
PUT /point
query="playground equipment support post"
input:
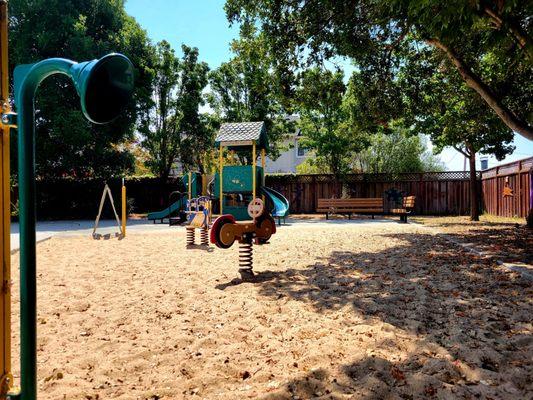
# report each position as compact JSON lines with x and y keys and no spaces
{"x":221,"y":186}
{"x":5,"y":298}
{"x":254,"y":163}
{"x":124,"y":214}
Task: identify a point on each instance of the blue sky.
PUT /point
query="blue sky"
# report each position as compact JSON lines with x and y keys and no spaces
{"x":202,"y":23}
{"x":199,"y":23}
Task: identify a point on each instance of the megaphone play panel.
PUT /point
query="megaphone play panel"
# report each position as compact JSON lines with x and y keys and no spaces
{"x":105,"y":86}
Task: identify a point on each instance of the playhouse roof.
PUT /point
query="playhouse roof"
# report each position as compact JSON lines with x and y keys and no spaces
{"x":237,"y":134}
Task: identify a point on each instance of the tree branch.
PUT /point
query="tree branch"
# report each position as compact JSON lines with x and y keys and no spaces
{"x":464,"y":153}
{"x":473,"y":81}
{"x":520,"y":36}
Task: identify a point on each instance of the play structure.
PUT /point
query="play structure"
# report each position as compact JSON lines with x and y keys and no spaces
{"x":105,"y":87}
{"x":237,"y":185}
{"x":175,"y":212}
{"x":236,"y":188}
{"x":121,"y":233}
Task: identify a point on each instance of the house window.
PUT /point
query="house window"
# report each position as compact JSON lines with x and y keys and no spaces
{"x":301,"y":151}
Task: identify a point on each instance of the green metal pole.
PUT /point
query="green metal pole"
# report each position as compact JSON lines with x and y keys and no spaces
{"x":27,"y":79}
{"x":104,"y":87}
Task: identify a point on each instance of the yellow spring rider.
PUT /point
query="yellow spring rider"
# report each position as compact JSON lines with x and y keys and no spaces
{"x":198,"y":217}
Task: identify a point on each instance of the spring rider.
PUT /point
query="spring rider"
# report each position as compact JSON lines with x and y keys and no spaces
{"x":198,"y":217}
{"x":226,"y":230}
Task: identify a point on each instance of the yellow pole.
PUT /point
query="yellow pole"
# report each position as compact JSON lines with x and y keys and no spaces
{"x":221,"y":186}
{"x":190,"y":185}
{"x":204,"y":185}
{"x":124,"y":217}
{"x":253,"y":169}
{"x":263,"y":163}
{"x":6,"y":380}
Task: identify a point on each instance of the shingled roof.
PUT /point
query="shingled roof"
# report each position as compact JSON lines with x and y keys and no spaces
{"x":236,"y":134}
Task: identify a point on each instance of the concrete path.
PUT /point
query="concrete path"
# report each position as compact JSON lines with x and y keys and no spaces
{"x":47,"y":229}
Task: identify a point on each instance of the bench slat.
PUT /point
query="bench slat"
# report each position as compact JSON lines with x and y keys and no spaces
{"x":354,"y":210}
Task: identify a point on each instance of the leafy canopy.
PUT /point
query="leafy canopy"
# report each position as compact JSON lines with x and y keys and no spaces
{"x":67,"y":144}
{"x":488,"y":44}
{"x":325,"y":121}
{"x":245,"y":88}
{"x":173,"y":128}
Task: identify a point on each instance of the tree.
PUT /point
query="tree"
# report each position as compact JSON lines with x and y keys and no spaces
{"x":173,"y":125}
{"x":67,"y":144}
{"x":397,"y":152}
{"x":246,"y":89}
{"x":197,"y":129}
{"x":488,"y":43}
{"x":160,"y":124}
{"x":196,"y":150}
{"x":324,"y":120}
{"x":454,"y":116}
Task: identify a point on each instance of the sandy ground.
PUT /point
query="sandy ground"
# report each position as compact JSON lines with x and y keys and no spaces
{"x":508,"y":239}
{"x":373,"y":311}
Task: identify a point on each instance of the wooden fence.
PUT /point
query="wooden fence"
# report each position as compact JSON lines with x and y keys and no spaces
{"x":507,"y":189}
{"x":437,"y":193}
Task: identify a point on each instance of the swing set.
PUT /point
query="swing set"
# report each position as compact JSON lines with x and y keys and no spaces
{"x":121,"y":233}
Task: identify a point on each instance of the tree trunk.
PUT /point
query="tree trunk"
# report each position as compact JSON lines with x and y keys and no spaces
{"x":474,"y":193}
{"x":473,"y":81}
{"x":529,"y":218}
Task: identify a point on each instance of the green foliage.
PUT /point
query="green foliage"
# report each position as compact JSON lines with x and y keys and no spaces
{"x":324,"y":120}
{"x":67,"y":144}
{"x":246,"y":89}
{"x":451,"y":114}
{"x":489,"y":44}
{"x":310,"y":166}
{"x":397,"y":152}
{"x":172,"y":127}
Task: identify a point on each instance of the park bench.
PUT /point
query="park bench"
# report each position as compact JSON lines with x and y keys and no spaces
{"x":348,"y":207}
{"x":408,"y":204}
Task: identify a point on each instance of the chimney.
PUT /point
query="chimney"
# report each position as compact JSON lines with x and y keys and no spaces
{"x":484,"y":163}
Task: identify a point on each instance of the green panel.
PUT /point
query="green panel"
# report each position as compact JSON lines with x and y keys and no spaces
{"x":238,"y":179}
{"x":196,"y":187}
{"x":240,"y":213}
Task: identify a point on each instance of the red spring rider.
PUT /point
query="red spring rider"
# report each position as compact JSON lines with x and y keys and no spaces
{"x":226,"y":230}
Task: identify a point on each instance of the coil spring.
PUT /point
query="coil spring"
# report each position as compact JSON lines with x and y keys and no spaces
{"x":204,"y":236}
{"x":190,"y":236}
{"x":245,"y":256}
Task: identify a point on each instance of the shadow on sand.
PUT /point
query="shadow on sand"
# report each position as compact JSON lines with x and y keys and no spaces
{"x":475,"y":315}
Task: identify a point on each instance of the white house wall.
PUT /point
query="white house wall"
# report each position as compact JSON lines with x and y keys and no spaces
{"x":287,"y":161}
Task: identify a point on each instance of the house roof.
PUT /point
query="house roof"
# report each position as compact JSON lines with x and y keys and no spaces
{"x":238,"y":134}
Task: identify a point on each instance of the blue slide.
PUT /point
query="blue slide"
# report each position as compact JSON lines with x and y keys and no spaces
{"x":280,"y":203}
{"x":167,"y":212}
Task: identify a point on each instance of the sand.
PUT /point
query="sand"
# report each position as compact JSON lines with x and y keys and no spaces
{"x":377,"y":311}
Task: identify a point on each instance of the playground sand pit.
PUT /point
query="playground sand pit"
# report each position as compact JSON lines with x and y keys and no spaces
{"x":338,"y":311}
